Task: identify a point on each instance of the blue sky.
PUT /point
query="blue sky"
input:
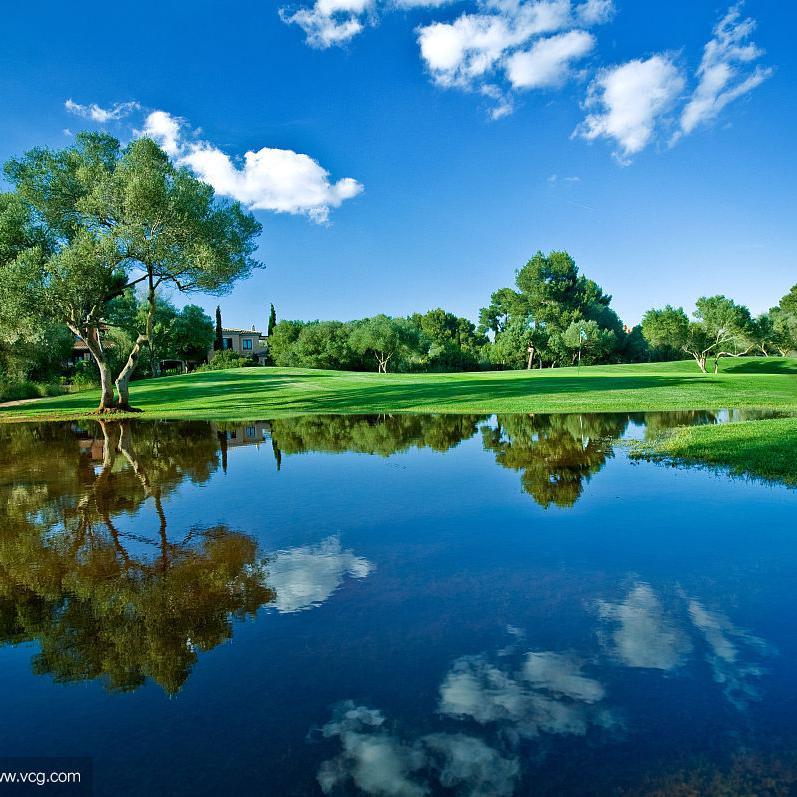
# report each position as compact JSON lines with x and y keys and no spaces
{"x":382,"y":177}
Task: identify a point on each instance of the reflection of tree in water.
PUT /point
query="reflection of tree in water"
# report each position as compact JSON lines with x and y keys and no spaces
{"x":102,"y":602}
{"x":657,"y":422}
{"x":372,"y":434}
{"x":555,"y":453}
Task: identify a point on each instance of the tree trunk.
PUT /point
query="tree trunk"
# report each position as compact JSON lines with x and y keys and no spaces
{"x":123,"y":380}
{"x":531,"y":358}
{"x":94,"y":345}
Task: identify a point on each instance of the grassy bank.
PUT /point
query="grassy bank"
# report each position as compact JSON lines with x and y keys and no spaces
{"x":764,"y":449}
{"x":261,"y":393}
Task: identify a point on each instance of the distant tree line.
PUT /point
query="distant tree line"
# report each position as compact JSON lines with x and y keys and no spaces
{"x":553,"y":317}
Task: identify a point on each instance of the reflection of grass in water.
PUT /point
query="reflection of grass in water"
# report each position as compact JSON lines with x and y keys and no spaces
{"x":766,"y":449}
{"x":258,"y":393}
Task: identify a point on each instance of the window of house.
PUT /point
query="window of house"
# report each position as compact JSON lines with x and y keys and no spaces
{"x":227,"y":343}
{"x":247,"y":344}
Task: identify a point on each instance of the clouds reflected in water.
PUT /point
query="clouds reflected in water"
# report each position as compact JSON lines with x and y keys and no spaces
{"x":305,"y":577}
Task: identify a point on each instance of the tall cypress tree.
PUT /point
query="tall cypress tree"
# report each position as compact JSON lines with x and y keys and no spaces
{"x":272,"y":320}
{"x":218,"y":342}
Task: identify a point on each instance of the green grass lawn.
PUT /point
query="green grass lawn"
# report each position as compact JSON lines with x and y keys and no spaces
{"x":262,"y":393}
{"x":766,"y":449}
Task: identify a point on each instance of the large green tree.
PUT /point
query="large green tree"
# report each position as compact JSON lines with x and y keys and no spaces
{"x":551,"y":295}
{"x":106,"y":218}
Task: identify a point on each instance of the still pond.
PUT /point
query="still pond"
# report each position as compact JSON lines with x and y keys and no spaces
{"x":398,"y":606}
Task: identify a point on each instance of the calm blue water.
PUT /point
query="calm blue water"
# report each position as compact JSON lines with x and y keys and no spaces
{"x":394,"y":606}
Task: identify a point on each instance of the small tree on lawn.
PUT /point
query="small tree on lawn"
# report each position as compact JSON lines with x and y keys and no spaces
{"x":384,"y":338}
{"x":272,"y":320}
{"x":722,"y":329}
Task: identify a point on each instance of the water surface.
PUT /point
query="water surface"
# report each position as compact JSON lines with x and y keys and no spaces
{"x":408,"y":605}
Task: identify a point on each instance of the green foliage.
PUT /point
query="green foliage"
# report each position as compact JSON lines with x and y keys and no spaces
{"x":589,"y":340}
{"x":218,"y":338}
{"x":323,"y":344}
{"x":226,"y":358}
{"x":552,"y":295}
{"x":282,"y":340}
{"x":94,"y":219}
{"x":272,"y":320}
{"x":386,"y":339}
{"x":454,"y":344}
{"x":722,"y":329}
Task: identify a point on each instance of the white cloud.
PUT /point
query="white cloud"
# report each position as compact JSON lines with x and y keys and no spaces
{"x":305,"y":577}
{"x":644,"y":636}
{"x":629,"y":101}
{"x":279,"y":180}
{"x":329,"y":22}
{"x":102,"y":115}
{"x":595,"y":12}
{"x":724,"y":74}
{"x":164,"y":128}
{"x":456,"y":53}
{"x":547,"y":64}
{"x":501,"y":45}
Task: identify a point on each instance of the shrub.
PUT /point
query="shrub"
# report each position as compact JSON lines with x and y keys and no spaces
{"x":226,"y":358}
{"x":25,"y":389}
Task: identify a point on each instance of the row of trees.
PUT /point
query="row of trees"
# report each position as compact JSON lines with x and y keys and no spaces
{"x":436,"y":340}
{"x":721,"y":328}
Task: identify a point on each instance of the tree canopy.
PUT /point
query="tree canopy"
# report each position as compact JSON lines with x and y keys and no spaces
{"x":95,"y":219}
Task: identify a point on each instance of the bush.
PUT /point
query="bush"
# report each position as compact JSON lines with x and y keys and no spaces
{"x":25,"y":389}
{"x":226,"y":358}
{"x":84,"y":376}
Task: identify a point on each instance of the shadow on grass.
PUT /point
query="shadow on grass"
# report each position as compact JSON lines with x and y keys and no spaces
{"x":770,"y":365}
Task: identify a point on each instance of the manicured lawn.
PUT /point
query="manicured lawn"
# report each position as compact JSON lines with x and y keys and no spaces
{"x":767,"y":449}
{"x":263,"y":393}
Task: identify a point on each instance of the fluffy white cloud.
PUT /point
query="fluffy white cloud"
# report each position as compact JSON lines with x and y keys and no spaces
{"x":644,"y":636}
{"x":628,"y":102}
{"x":164,"y":128}
{"x":279,"y":180}
{"x":97,"y":114}
{"x":456,"y":53}
{"x":547,"y":64}
{"x":501,"y":47}
{"x":724,"y":73}
{"x":305,"y":577}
